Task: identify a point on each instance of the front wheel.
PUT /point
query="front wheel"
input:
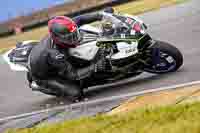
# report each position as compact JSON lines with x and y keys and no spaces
{"x":164,"y":58}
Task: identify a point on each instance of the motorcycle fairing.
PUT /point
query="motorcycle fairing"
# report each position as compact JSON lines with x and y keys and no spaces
{"x":86,"y":51}
{"x":125,"y":50}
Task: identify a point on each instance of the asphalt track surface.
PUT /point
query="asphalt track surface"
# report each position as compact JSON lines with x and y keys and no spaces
{"x":178,"y":25}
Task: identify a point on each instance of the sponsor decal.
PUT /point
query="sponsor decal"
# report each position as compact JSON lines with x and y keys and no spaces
{"x":129,"y":21}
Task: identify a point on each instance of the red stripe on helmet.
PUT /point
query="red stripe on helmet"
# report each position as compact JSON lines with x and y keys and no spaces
{"x":68,"y":22}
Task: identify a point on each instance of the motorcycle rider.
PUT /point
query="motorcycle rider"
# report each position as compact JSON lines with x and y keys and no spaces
{"x":50,"y":64}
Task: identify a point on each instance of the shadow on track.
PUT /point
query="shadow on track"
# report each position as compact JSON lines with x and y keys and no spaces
{"x":127,"y":83}
{"x":107,"y":89}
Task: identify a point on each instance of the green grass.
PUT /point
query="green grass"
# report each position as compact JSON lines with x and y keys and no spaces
{"x":135,"y":7}
{"x":35,"y":34}
{"x":168,"y":119}
{"x":140,"y":6}
{"x":180,"y":1}
{"x":2,"y":50}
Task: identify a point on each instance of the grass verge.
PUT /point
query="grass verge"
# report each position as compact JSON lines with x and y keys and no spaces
{"x":140,"y":6}
{"x":164,"y":119}
{"x":135,"y":7}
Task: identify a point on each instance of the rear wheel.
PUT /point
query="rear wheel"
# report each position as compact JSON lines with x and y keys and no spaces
{"x":164,"y":58}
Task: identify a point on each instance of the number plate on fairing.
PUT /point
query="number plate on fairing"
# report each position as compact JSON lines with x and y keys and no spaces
{"x":126,"y":50}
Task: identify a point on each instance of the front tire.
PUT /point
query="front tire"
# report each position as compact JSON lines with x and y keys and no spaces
{"x":170,"y":58}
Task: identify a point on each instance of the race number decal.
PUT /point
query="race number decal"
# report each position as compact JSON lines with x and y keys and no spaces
{"x":125,"y":50}
{"x":123,"y":36}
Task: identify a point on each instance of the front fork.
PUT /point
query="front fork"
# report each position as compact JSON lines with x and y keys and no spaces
{"x":155,"y":56}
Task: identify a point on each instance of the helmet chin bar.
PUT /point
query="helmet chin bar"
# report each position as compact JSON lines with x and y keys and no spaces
{"x":65,"y":44}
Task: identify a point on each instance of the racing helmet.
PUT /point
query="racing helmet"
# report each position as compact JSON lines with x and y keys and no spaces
{"x":64,"y":32}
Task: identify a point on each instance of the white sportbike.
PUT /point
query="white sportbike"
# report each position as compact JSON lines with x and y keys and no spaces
{"x":129,"y":50}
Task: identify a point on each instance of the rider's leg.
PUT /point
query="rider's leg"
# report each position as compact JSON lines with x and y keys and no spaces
{"x":71,"y":89}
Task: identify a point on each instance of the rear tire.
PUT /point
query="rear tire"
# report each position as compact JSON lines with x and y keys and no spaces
{"x":170,"y":51}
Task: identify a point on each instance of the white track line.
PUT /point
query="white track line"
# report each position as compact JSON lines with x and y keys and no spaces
{"x":99,"y":101}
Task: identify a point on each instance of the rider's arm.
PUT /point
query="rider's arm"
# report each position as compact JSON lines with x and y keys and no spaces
{"x":58,"y":61}
{"x":89,"y":18}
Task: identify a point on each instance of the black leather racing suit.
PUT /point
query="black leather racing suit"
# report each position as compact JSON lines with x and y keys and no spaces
{"x":51,"y":66}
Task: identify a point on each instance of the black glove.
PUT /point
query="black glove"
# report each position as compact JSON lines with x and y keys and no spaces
{"x":102,"y":64}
